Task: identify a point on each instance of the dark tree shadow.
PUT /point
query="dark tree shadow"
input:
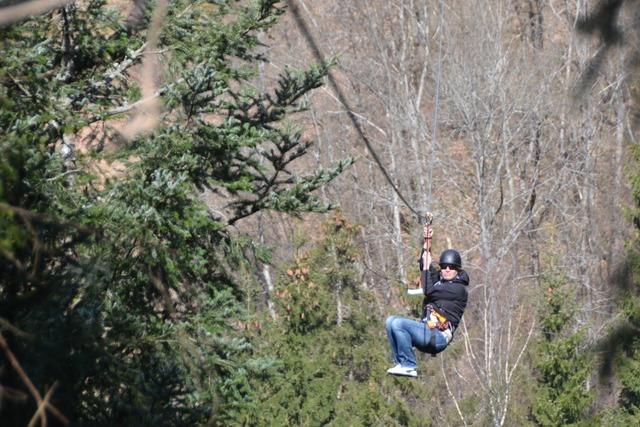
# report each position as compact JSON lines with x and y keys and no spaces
{"x":604,"y":24}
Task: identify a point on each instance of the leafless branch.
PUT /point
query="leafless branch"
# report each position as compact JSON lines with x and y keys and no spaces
{"x":13,"y":361}
{"x":10,"y":14}
{"x":453,"y":397}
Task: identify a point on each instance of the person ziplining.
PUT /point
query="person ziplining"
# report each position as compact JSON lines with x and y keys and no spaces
{"x":445,"y":298}
{"x":445,"y":289}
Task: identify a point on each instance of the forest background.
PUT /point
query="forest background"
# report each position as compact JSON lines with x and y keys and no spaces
{"x":208,"y":209}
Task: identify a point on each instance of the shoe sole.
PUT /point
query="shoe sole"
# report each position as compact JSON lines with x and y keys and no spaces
{"x":412,"y":374}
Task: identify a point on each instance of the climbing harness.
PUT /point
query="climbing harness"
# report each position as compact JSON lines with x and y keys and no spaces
{"x":435,"y":320}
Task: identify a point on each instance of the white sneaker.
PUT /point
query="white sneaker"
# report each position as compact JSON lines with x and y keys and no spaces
{"x":390,"y":370}
{"x":405,"y":372}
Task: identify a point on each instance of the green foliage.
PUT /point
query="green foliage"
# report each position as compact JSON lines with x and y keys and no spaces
{"x":629,"y":374}
{"x":621,"y":348}
{"x":332,"y":353}
{"x":562,"y":366}
{"x":635,"y":187}
{"x":126,"y":288}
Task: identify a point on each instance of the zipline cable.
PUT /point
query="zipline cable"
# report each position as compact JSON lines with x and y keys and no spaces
{"x":320,"y":58}
{"x":437,"y":102}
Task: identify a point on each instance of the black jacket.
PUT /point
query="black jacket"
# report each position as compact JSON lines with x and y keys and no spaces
{"x":449,"y":297}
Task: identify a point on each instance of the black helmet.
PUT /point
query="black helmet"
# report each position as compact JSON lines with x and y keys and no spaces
{"x":451,"y":257}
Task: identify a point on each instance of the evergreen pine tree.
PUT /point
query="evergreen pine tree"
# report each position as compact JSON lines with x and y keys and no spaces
{"x":122,"y":291}
{"x":561,"y":363}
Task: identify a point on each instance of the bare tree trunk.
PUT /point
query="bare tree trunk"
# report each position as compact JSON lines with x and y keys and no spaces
{"x":267,"y":284}
{"x":619,"y":166}
{"x":397,"y":230}
{"x":68,"y":15}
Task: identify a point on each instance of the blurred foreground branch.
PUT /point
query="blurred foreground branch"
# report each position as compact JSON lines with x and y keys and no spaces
{"x":43,"y":404}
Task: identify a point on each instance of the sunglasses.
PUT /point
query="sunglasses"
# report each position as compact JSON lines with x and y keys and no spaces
{"x":449,"y":266}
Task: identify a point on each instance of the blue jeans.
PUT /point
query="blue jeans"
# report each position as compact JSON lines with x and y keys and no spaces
{"x":404,"y":334}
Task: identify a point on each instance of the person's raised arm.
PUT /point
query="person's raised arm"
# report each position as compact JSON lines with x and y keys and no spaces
{"x":425,"y":261}
{"x":425,"y":257}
